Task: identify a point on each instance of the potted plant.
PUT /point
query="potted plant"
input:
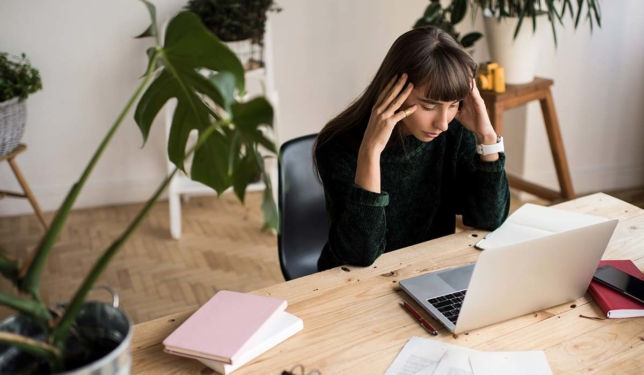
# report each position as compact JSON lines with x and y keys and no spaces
{"x":80,"y":337}
{"x":514,"y":45}
{"x":447,"y":18}
{"x":18,"y":79}
{"x":239,"y":23}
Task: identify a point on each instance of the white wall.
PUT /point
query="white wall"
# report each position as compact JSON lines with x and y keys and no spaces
{"x":599,"y":95}
{"x":90,"y":66}
{"x":325,"y":54}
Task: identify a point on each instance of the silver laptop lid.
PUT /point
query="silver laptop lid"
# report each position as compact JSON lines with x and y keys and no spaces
{"x":518,"y":279}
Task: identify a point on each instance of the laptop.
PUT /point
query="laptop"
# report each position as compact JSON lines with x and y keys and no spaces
{"x":513,"y":280}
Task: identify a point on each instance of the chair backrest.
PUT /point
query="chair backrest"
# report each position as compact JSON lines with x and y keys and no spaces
{"x":303,"y":222}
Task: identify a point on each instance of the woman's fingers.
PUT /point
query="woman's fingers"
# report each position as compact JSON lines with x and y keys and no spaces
{"x":400,"y":99}
{"x":392,"y":94}
{"x":402,"y":114}
{"x":385,"y":91}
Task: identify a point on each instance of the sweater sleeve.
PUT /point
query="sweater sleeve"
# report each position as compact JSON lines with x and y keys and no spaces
{"x":483,"y":192}
{"x":357,"y":222}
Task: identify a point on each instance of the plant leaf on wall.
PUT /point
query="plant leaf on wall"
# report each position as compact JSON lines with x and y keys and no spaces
{"x":469,"y":39}
{"x":432,"y":13}
{"x":459,"y":8}
{"x":152,"y":29}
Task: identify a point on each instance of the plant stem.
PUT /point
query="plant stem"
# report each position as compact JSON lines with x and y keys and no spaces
{"x":31,"y":280}
{"x":9,"y":267}
{"x":34,"y":347}
{"x":61,"y":330}
{"x":34,"y":309}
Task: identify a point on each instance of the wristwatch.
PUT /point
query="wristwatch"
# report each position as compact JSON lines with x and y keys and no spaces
{"x":491,"y":149}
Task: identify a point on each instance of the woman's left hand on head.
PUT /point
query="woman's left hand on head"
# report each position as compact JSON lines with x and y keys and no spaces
{"x":473,"y":115}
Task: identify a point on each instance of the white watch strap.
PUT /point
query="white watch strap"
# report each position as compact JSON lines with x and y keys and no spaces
{"x":491,"y":149}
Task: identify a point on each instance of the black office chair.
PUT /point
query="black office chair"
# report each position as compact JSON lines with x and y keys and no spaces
{"x":303,"y":225}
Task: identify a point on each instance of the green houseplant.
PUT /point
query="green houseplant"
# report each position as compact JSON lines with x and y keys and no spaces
{"x":234,"y":20}
{"x":226,"y":154}
{"x":447,"y":18}
{"x":520,"y":9}
{"x":513,"y":44}
{"x":18,"y":79}
{"x":241,"y":24}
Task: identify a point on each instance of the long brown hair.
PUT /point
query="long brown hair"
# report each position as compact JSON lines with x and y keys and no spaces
{"x":430,"y":57}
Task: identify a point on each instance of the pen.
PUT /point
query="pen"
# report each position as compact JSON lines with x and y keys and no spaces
{"x":422,"y":320}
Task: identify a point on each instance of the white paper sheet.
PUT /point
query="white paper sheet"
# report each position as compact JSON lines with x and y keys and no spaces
{"x":418,"y":357}
{"x":456,"y":362}
{"x":510,"y":363}
{"x":532,"y":221}
{"x":430,"y":357}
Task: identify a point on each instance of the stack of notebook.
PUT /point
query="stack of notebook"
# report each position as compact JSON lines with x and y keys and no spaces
{"x":613,"y":303}
{"x":231,"y":329}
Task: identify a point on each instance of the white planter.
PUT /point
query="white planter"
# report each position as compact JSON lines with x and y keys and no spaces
{"x":242,"y":48}
{"x":517,"y":56}
{"x":13,"y":115}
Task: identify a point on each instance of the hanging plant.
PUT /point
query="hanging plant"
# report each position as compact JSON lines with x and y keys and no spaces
{"x":234,"y":20}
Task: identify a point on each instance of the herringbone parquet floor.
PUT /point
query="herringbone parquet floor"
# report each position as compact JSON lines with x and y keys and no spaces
{"x":222,"y":247}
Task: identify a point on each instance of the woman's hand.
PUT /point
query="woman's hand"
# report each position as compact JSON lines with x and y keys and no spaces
{"x":474,"y":117}
{"x":384,"y":116}
{"x":381,"y":124}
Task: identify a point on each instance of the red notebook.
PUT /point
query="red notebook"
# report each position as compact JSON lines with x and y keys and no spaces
{"x":613,"y":303}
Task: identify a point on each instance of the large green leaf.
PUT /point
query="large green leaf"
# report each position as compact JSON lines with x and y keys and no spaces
{"x":221,"y":160}
{"x":470,"y":38}
{"x":249,"y":116}
{"x":188,"y":48}
{"x":458,"y":11}
{"x":210,"y":164}
{"x":189,"y":45}
{"x":432,"y":11}
{"x":246,"y":169}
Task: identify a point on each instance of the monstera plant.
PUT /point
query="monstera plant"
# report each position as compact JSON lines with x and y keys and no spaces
{"x":225,"y":155}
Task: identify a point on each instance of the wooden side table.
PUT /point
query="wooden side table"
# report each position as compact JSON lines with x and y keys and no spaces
{"x":518,"y":95}
{"x":23,"y":182}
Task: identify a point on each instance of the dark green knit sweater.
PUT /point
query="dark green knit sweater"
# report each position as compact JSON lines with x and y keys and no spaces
{"x":423,"y":188}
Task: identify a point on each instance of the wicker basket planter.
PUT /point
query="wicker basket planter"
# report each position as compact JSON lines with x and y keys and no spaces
{"x":13,"y":115}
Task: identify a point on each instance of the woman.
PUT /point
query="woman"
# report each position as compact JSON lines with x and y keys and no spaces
{"x":402,"y":161}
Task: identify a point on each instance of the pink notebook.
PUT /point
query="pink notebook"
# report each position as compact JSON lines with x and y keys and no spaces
{"x":222,"y":326}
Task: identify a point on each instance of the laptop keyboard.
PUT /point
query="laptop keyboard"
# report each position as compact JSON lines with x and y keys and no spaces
{"x":449,"y":304}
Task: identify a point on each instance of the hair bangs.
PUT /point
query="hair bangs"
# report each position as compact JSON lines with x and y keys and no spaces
{"x":448,"y":77}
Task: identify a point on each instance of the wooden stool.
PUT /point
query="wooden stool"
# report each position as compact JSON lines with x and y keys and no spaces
{"x":21,"y":179}
{"x":518,"y":95}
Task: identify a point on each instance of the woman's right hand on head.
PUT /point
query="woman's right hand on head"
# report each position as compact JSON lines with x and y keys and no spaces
{"x":385,"y":115}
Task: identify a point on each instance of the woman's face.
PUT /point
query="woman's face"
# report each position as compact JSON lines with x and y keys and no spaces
{"x":430,"y":118}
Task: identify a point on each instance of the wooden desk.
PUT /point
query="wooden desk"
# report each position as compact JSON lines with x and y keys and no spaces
{"x":519,"y":95}
{"x":354,"y":325}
